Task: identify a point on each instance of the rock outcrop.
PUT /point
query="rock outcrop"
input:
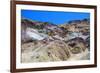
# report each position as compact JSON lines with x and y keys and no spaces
{"x":44,"y":41}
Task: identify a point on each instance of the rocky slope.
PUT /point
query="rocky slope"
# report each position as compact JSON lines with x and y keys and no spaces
{"x":44,"y":41}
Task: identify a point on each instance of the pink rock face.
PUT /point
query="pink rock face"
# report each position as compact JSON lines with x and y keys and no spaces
{"x":24,"y":36}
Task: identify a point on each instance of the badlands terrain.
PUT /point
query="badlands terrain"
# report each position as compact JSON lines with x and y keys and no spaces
{"x":48,"y":42}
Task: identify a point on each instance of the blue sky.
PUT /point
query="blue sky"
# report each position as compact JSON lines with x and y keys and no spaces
{"x":53,"y":16}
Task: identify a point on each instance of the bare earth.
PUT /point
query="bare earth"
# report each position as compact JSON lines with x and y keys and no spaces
{"x":54,"y":51}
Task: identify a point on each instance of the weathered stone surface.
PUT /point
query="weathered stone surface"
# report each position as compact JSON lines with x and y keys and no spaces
{"x":54,"y":43}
